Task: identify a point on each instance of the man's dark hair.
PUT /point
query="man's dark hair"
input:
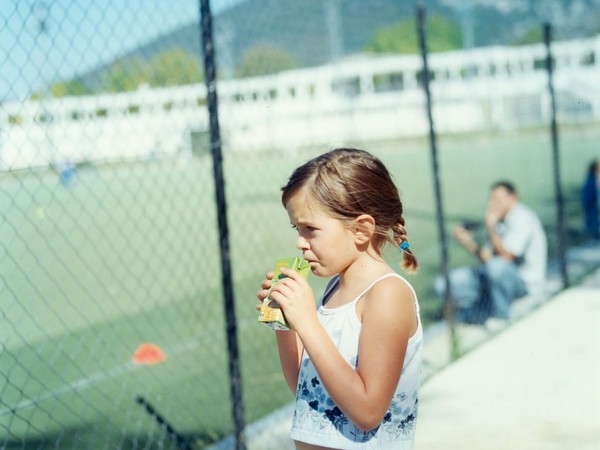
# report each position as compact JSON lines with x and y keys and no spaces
{"x":510,"y":188}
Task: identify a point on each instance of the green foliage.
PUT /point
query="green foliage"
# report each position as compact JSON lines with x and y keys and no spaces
{"x":168,"y":68}
{"x":75,"y":86}
{"x":37,"y":95}
{"x":264,"y":60}
{"x":127,"y":75}
{"x":442,"y":34}
{"x":175,"y":67}
{"x":534,"y":35}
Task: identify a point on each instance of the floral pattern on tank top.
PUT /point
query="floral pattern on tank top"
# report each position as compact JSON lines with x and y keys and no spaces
{"x":398,"y":422}
{"x":317,"y":420}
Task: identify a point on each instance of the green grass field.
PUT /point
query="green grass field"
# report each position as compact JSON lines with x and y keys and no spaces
{"x":130,"y":254}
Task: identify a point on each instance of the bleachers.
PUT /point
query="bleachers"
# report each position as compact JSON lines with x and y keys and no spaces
{"x":358,"y":97}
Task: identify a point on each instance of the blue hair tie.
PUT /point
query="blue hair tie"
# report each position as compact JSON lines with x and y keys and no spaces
{"x":404,"y":245}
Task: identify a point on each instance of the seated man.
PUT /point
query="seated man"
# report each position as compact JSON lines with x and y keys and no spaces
{"x":511,"y":264}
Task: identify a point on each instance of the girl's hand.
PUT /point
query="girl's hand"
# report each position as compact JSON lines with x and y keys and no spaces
{"x":296,"y":298}
{"x":264,"y":292}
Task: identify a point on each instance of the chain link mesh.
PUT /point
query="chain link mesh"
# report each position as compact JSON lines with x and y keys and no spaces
{"x":112,"y":325}
{"x":109,"y":242}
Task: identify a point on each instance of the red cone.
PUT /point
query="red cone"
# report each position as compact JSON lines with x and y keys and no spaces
{"x":148,"y":353}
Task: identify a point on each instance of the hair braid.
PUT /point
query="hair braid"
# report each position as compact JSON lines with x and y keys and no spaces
{"x":409,"y":260}
{"x":349,"y":182}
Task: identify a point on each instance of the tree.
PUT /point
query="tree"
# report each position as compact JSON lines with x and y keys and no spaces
{"x":533,"y":35}
{"x":168,"y":68}
{"x":171,"y":67}
{"x":264,"y":60}
{"x":175,"y":67}
{"x":127,"y":74}
{"x":442,"y":35}
{"x":76,"y":86}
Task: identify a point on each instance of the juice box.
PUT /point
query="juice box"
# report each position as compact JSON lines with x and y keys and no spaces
{"x":270,"y":312}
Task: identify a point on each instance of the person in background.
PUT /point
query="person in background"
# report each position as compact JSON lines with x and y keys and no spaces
{"x":510,"y":264}
{"x":590,"y":200}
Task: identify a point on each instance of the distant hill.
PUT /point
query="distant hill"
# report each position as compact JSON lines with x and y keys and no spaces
{"x":315,"y":31}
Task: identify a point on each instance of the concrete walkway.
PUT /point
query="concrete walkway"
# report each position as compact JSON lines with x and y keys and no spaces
{"x":536,"y":385}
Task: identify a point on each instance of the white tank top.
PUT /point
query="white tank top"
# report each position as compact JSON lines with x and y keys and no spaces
{"x":318,"y":421}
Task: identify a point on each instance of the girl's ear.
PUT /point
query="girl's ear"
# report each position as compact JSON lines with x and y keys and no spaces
{"x":364,"y":228}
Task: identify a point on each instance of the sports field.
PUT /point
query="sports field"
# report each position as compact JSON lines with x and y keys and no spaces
{"x":129,"y":254}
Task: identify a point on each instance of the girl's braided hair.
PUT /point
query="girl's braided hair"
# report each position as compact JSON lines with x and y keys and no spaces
{"x":349,"y":182}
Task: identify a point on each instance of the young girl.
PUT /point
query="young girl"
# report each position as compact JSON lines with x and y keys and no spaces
{"x":353,"y":363}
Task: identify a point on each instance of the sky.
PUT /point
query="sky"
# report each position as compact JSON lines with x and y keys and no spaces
{"x":42,"y":41}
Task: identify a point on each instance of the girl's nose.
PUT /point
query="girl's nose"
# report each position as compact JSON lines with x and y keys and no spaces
{"x":301,"y":243}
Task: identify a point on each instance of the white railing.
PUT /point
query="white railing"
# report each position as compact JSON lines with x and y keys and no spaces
{"x":364,"y":97}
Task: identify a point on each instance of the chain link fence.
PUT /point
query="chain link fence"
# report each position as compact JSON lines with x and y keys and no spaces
{"x":113,"y":330}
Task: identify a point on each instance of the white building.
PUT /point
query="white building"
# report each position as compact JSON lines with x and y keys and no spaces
{"x":365,"y":97}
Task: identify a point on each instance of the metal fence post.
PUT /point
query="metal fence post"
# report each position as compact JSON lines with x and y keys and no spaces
{"x":448,"y":303}
{"x":559,"y":198}
{"x":227,"y":279}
